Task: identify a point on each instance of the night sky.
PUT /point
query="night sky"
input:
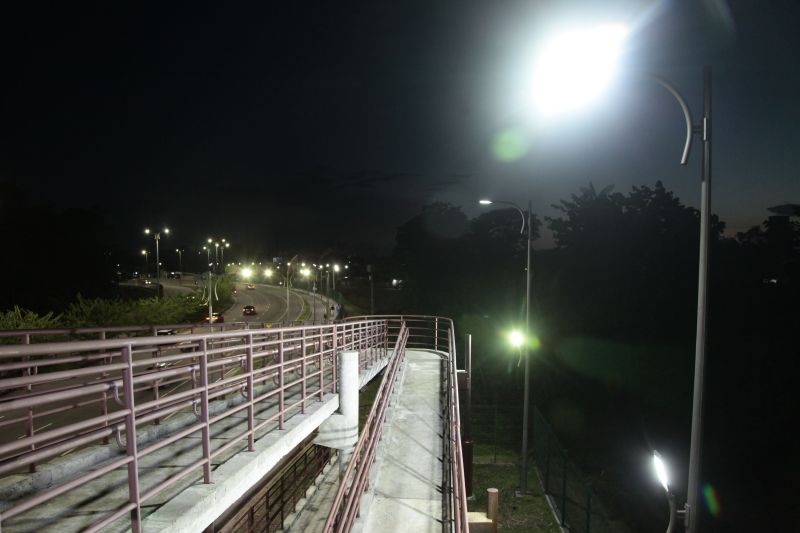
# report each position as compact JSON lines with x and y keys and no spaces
{"x":329,"y":125}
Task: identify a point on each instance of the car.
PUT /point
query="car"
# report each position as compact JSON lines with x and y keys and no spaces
{"x":251,"y":286}
{"x":216,"y":317}
{"x":249,"y":310}
{"x":174,"y":275}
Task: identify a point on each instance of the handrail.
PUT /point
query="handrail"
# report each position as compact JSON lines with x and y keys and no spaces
{"x":348,"y":497}
{"x":221,"y":374}
{"x":437,"y":333}
{"x":118,"y":389}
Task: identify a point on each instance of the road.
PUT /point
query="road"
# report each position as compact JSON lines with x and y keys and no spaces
{"x":270,"y":304}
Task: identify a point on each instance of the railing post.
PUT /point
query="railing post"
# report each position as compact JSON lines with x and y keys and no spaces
{"x":334,"y":381}
{"x":436,"y":333}
{"x":251,"y":439}
{"x":281,"y":393}
{"x":130,"y":440}
{"x":303,"y":371}
{"x":29,"y":424}
{"x":321,"y":363}
{"x":204,"y":417}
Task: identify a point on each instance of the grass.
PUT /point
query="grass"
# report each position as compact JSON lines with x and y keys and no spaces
{"x":500,"y":469}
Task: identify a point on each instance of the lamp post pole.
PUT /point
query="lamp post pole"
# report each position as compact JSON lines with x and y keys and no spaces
{"x":526,"y":221}
{"x":180,"y":259}
{"x":703,"y":129}
{"x":523,"y":482}
{"x":696,"y":441}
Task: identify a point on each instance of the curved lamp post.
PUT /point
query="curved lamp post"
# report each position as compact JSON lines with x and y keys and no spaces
{"x":661,"y":473}
{"x":526,"y":222}
{"x":562,"y":68}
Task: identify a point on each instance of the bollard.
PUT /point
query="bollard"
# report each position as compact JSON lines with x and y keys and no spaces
{"x":493,"y":507}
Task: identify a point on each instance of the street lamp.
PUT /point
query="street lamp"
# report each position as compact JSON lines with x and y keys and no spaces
{"x":526,"y":221}
{"x":157,"y":236}
{"x":306,"y":272}
{"x":610,"y":43}
{"x":180,"y":259}
{"x":146,"y":255}
{"x":335,"y":270}
{"x":661,"y":473}
{"x":225,"y":244}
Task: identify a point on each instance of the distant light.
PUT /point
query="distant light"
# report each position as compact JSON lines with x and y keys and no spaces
{"x":516,"y":339}
{"x":246,"y":272}
{"x":661,"y":471}
{"x":147,"y":231}
{"x":575,"y":67}
{"x":268,"y":272}
{"x":484,"y":202}
{"x":144,"y":252}
{"x":394,"y":283}
{"x":210,"y":240}
{"x":166,"y":230}
{"x":336,"y":268}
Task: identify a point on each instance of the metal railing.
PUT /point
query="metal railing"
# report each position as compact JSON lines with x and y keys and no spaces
{"x":28,"y":336}
{"x":347,"y":503}
{"x":92,"y":391}
{"x":409,"y":332}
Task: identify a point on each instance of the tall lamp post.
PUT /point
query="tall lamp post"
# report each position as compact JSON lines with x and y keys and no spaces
{"x":526,"y":222}
{"x":180,"y":259}
{"x":146,"y":255}
{"x":225,"y":244}
{"x":157,"y":235}
{"x":556,"y":80}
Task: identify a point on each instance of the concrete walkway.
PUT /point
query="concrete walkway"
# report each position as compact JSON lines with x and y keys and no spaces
{"x":406,"y":479}
{"x":405,"y":493}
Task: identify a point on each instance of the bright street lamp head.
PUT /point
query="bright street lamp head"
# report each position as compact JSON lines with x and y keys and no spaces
{"x":661,"y":470}
{"x":516,"y":338}
{"x":485,"y":202}
{"x":336,"y":268}
{"x":209,"y":241}
{"x":147,"y":231}
{"x":166,"y":230}
{"x":144,"y":252}
{"x":227,"y":245}
{"x":268,"y":272}
{"x":247,"y":272}
{"x":575,"y":67}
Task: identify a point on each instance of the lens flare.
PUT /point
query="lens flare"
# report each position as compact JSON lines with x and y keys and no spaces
{"x":510,"y":145}
{"x":711,"y":499}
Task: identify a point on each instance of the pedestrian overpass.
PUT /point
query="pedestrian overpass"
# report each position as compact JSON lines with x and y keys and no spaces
{"x":174,"y":428}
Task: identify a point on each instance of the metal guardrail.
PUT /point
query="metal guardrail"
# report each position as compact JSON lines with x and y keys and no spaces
{"x":347,"y":503}
{"x":409,"y":332}
{"x":104,"y":389}
{"x":27,"y":336}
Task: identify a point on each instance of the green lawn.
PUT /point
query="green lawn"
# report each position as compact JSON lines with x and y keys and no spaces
{"x":500,"y":469}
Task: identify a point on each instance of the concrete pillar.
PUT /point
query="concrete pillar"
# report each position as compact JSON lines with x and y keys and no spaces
{"x":340,"y":430}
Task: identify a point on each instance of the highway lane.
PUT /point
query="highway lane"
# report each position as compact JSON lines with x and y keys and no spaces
{"x":269,"y":301}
